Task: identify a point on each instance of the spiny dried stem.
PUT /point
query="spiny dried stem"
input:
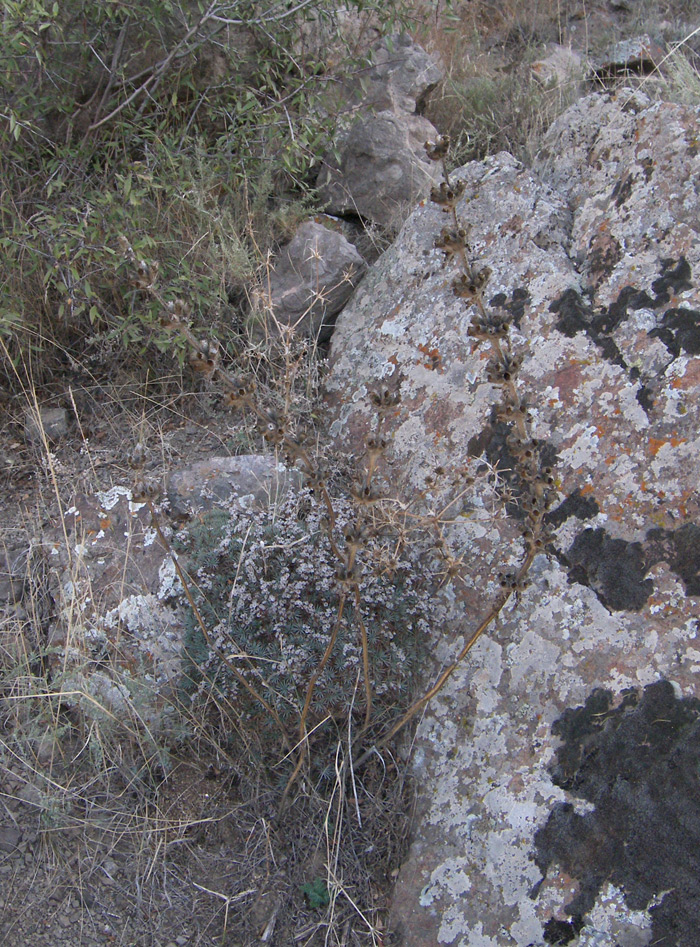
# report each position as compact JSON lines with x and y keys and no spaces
{"x":529,"y":486}
{"x":535,"y":481}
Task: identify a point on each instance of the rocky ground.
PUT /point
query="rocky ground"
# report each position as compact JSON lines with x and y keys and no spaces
{"x":103,"y":841}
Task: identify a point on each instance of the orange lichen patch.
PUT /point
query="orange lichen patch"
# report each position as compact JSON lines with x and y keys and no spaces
{"x":691,"y":376}
{"x":105,"y":522}
{"x":587,"y":489}
{"x":433,"y":360}
{"x":655,"y":443}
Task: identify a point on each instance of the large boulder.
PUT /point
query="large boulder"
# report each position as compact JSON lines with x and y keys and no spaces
{"x":556,"y":771}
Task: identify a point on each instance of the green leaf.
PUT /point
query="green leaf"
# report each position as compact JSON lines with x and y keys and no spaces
{"x":316,"y":893}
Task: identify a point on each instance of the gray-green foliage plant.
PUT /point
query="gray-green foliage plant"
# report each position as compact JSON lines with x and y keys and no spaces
{"x":179,"y":125}
{"x":266,"y":584}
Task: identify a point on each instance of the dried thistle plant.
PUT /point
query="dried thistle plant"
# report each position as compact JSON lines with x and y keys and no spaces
{"x":290,"y":642}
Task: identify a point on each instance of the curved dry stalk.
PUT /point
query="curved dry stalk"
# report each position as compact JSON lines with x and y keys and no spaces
{"x":365,"y":658}
{"x":445,"y":675}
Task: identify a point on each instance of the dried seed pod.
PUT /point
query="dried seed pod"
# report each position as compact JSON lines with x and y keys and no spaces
{"x":447,"y":195}
{"x":275,"y":428}
{"x":464,"y":287}
{"x":437,"y":150}
{"x":146,"y":275}
{"x":144,"y":490}
{"x":136,"y":457}
{"x":126,"y":249}
{"x":175,"y":314}
{"x":507,"y":580}
{"x":363,"y":493}
{"x":353,"y":535}
{"x":503,"y":368}
{"x":345,"y":575}
{"x":495,"y":324}
{"x":452,"y":242}
{"x":376,"y":445}
{"x":384,"y":397}
{"x":206,"y":358}
{"x":482,"y":277}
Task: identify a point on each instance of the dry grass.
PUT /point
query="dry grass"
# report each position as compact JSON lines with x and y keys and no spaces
{"x":159,"y":826}
{"x":139,"y":829}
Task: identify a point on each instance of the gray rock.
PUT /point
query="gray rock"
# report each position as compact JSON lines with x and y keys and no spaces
{"x":381,"y":169}
{"x":595,"y":255}
{"x":10,"y":837}
{"x":248,"y":480}
{"x":400,"y":77}
{"x":13,"y":572}
{"x":311,"y":280}
{"x":338,"y":30}
{"x":118,"y":576}
{"x":639,"y":54}
{"x":49,"y":422}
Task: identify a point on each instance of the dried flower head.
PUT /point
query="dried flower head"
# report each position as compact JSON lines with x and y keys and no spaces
{"x":437,"y":150}
{"x":447,"y":195}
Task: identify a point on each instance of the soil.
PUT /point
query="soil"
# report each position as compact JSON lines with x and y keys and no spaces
{"x":125,"y":848}
{"x":106,"y":842}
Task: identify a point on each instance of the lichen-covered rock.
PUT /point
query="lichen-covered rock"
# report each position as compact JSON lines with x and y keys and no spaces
{"x":48,"y":423}
{"x":246,"y":480}
{"x":310,"y":281}
{"x":639,"y":54}
{"x":116,"y":625}
{"x":596,"y":257}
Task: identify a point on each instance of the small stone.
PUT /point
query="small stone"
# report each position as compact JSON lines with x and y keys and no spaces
{"x":51,"y":423}
{"x":311,"y":280}
{"x":10,"y":838}
{"x":29,"y":794}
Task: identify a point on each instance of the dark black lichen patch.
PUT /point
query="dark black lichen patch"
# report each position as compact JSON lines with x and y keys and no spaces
{"x":679,"y":331}
{"x":582,"y":507}
{"x":675,"y":278}
{"x":645,"y":397}
{"x":562,"y":932}
{"x":577,"y":315}
{"x":638,"y":764}
{"x":680,"y":548}
{"x":613,"y":568}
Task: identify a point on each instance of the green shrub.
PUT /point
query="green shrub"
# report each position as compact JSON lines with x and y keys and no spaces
{"x":190,"y":130}
{"x":265,"y":584}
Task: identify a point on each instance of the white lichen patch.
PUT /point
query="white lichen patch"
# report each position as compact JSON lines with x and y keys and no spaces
{"x":109,"y":498}
{"x":612,"y":924}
